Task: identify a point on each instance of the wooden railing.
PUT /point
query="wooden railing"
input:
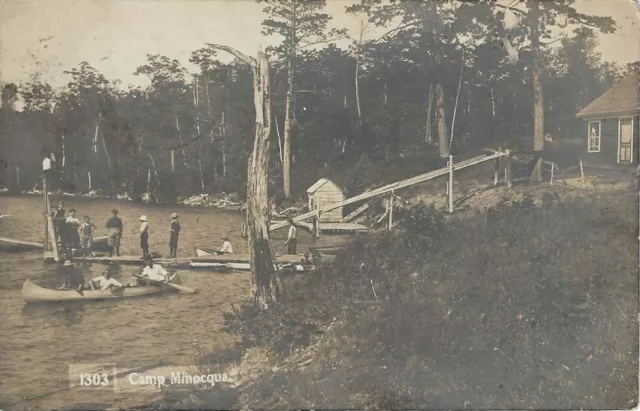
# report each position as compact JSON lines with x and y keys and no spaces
{"x":390,"y":188}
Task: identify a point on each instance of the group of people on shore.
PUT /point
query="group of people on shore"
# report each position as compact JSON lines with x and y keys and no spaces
{"x":70,"y":232}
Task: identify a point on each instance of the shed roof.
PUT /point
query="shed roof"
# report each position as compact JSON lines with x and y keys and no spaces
{"x":315,"y":187}
{"x":620,"y":99}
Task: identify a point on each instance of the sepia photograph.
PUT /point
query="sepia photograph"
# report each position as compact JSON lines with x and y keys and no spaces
{"x":329,"y":204}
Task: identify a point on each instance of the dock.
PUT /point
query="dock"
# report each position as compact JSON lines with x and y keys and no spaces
{"x":331,"y":228}
{"x":230,"y":261}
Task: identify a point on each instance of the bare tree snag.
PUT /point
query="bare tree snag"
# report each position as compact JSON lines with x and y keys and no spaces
{"x":264,"y":284}
{"x":443,"y":141}
{"x":286,"y":163}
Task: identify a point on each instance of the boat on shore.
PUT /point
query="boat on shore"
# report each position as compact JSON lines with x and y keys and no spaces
{"x":33,"y":293}
{"x":205,"y":252}
{"x":16,"y":246}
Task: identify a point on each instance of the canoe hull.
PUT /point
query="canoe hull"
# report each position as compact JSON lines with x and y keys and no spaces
{"x":205,"y":252}
{"x":33,"y":293}
{"x":17,"y":246}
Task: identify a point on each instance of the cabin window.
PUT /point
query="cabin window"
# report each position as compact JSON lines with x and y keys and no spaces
{"x":593,"y":144}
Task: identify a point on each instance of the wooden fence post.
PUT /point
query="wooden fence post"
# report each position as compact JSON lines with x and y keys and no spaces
{"x":507,"y":169}
{"x":496,"y":172}
{"x":316,"y":220}
{"x":582,"y":172}
{"x":450,"y":184}
{"x":316,"y":226}
{"x":553,"y":166}
{"x":47,"y":211}
{"x":390,"y":205}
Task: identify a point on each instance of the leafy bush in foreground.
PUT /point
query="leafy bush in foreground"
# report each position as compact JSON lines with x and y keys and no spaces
{"x":530,"y":304}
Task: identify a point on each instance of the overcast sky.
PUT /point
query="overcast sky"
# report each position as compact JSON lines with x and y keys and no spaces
{"x":46,"y":37}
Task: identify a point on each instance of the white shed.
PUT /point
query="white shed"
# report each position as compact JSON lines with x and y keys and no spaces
{"x":323,"y":193}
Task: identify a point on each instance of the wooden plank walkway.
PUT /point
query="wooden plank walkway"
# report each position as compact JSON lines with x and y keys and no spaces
{"x":394,"y":186}
{"x":179,"y":263}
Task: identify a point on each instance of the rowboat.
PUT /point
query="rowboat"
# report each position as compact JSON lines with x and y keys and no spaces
{"x":33,"y":293}
{"x":205,"y":252}
{"x":13,"y":245}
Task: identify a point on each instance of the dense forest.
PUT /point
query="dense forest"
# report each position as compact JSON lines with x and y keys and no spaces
{"x":435,"y":78}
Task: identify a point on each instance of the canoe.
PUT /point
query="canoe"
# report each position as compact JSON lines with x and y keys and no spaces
{"x":33,"y":293}
{"x":204,"y":252}
{"x":13,"y":245}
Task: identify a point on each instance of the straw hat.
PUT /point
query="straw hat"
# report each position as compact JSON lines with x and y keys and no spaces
{"x":174,"y":215}
{"x":143,"y":218}
{"x":225,"y":238}
{"x":68,"y":263}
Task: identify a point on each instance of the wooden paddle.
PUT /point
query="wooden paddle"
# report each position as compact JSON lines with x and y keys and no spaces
{"x":176,"y":286}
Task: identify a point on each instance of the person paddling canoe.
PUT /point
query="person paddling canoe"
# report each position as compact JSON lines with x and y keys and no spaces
{"x":154,"y":272}
{"x":226,"y":246}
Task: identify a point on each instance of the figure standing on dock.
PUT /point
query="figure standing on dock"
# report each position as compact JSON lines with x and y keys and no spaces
{"x":114,"y":224}
{"x":174,"y":235}
{"x":87,"y":229}
{"x":292,"y":242}
{"x":144,"y":236}
{"x":73,"y":237}
{"x":47,"y":166}
{"x":59,"y":222}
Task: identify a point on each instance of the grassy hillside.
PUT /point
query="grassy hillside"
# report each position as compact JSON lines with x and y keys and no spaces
{"x":531,"y":303}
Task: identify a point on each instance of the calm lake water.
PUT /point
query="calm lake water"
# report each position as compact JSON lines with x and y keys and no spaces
{"x":37,"y":343}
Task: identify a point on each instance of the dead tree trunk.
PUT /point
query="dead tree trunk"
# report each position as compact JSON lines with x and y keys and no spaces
{"x":443,"y":141}
{"x":357,"y":85}
{"x":264,"y":285}
{"x":538,"y":99}
{"x":286,"y":163}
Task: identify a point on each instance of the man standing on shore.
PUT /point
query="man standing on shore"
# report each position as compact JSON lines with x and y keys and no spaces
{"x":115,"y":233}
{"x":292,"y":242}
{"x":174,"y":235}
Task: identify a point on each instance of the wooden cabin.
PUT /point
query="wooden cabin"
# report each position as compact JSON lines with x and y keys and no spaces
{"x":323,"y":193}
{"x":612,"y":124}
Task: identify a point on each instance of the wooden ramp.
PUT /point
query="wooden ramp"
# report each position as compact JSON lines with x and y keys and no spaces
{"x":396,"y":186}
{"x":335,"y":228}
{"x":331,"y":228}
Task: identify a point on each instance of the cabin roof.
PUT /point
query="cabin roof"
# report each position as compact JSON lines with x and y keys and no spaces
{"x":620,"y":99}
{"x":316,"y":186}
